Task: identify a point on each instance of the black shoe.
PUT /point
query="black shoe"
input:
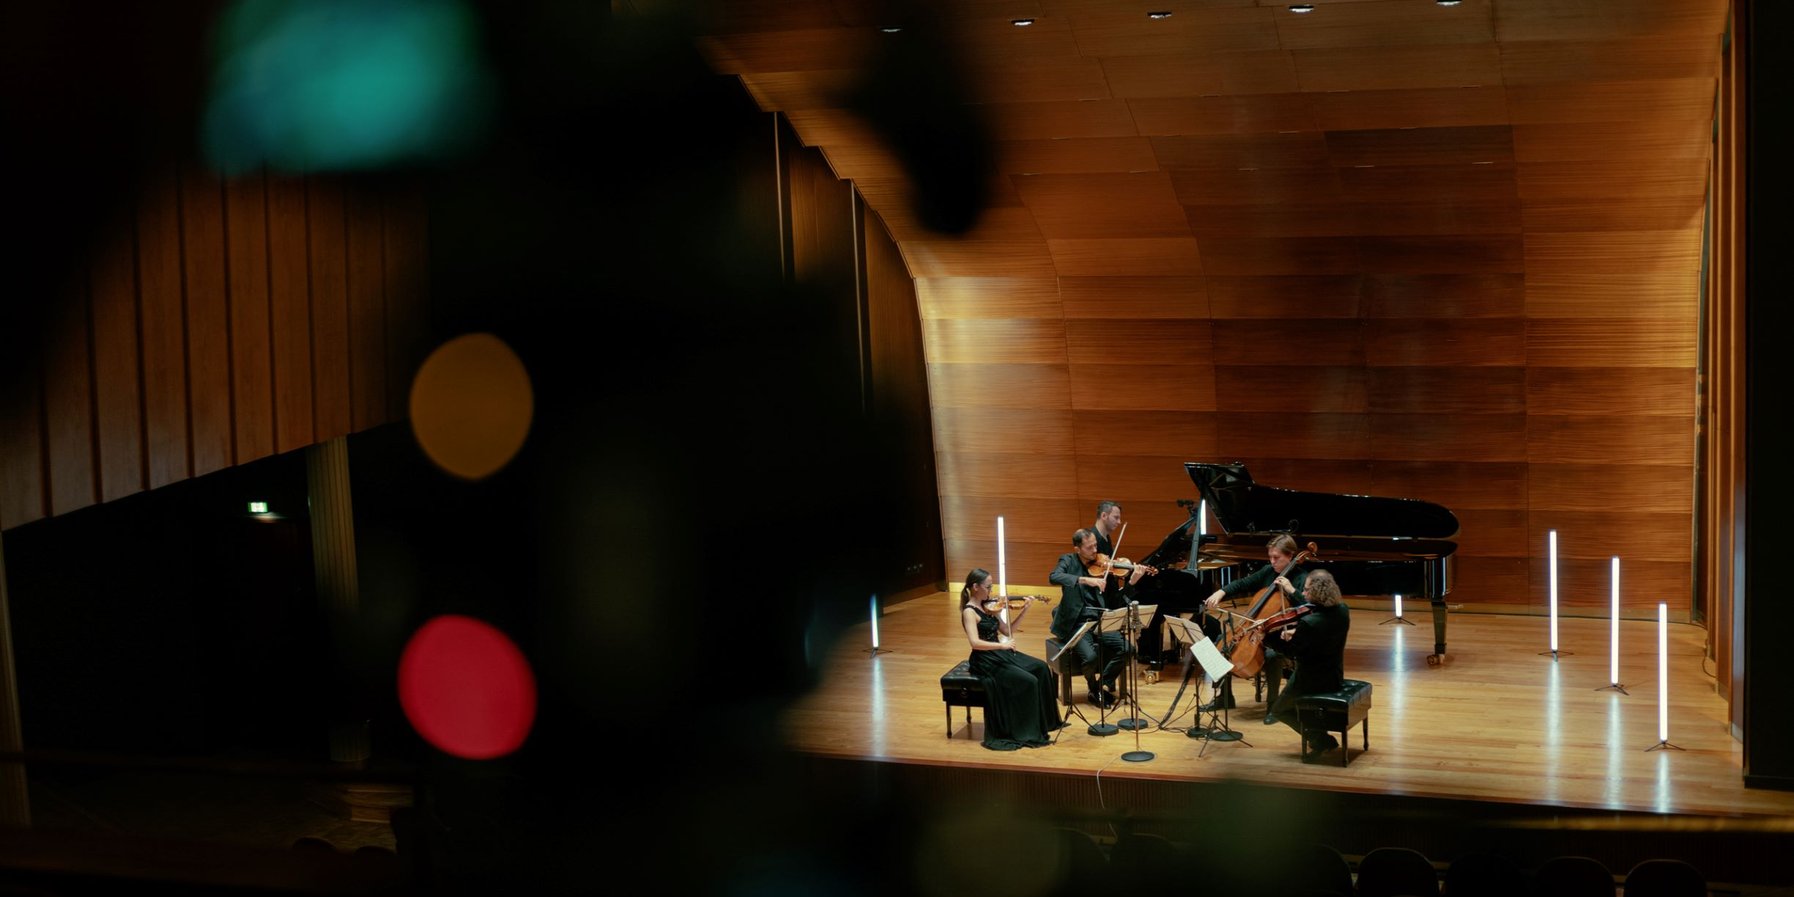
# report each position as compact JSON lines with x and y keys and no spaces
{"x":1270,"y":719}
{"x":1098,"y":698}
{"x":1224,"y":703}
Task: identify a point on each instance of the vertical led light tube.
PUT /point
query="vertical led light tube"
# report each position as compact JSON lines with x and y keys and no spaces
{"x":1002,"y":563}
{"x":1662,"y":672}
{"x":1613,"y":651}
{"x":1398,"y":605}
{"x":1552,"y":554}
{"x":874,"y":622}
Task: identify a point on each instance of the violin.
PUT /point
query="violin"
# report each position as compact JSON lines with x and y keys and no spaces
{"x":1105,"y":565}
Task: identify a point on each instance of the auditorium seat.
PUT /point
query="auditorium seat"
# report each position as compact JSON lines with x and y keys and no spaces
{"x":1484,"y":874}
{"x":1665,"y":878}
{"x":1572,"y":876}
{"x":1397,"y":872}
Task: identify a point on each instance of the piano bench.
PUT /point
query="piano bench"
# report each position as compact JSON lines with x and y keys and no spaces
{"x":959,"y":688}
{"x":1335,"y":711}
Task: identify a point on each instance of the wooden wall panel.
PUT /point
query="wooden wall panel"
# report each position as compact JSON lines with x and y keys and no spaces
{"x":1184,"y":434}
{"x":1111,"y":205}
{"x":1446,"y":389}
{"x":1459,"y":485}
{"x":1423,"y":342}
{"x":204,"y":324}
{"x":208,"y":319}
{"x":969,"y":429}
{"x":252,"y":355}
{"x":1123,"y":342}
{"x":69,"y":401}
{"x":1148,"y":257}
{"x":1666,"y":391}
{"x":987,"y":297}
{"x":289,"y":309}
{"x":1015,"y":474}
{"x":366,"y":296}
{"x":117,"y":378}
{"x":1594,"y":439}
{"x":1133,"y":298}
{"x":328,"y":292}
{"x":1018,"y":340}
{"x":162,"y":331}
{"x":1286,"y":296}
{"x":1142,"y":387}
{"x":1063,"y":118}
{"x":999,"y":385}
{"x":1272,"y":387}
{"x":22,"y":486}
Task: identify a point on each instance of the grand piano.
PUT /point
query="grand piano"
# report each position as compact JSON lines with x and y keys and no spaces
{"x":1373,"y":546}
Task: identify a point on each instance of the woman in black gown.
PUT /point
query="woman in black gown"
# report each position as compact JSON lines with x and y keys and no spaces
{"x":1019,"y":707}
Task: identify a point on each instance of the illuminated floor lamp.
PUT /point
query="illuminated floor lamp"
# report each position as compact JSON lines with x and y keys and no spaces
{"x":1551,"y":554}
{"x":1662,"y":681}
{"x":1398,"y":618}
{"x":1613,"y":649}
{"x":875,"y":650}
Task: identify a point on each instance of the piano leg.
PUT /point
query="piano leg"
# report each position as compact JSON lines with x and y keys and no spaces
{"x":1438,"y":656}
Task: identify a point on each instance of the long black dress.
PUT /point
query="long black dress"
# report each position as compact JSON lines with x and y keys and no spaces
{"x":1020,"y":708}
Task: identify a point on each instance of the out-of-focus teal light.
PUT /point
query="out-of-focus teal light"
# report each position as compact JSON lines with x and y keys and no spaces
{"x":304,"y":85}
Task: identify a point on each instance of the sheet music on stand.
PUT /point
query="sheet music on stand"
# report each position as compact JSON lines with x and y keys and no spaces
{"x":1116,"y":619}
{"x":1082,"y":631}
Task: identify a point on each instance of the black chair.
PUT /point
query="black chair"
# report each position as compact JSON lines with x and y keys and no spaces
{"x":1313,"y":869}
{"x":1083,"y":869}
{"x":1665,"y":878}
{"x":959,"y":688}
{"x":1144,"y":863}
{"x":1335,"y":711}
{"x":1396,"y":872}
{"x":1572,"y":876}
{"x":1484,"y":874}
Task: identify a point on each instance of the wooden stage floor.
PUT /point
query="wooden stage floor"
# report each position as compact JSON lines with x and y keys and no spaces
{"x":1496,"y":722}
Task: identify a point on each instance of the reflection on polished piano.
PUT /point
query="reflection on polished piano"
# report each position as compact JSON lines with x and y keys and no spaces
{"x":1373,"y":546}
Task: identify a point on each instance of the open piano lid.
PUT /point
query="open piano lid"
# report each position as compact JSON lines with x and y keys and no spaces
{"x":1242,"y":506}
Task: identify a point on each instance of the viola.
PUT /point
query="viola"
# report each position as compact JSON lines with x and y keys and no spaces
{"x":1285,"y":617}
{"x":1104,"y":565}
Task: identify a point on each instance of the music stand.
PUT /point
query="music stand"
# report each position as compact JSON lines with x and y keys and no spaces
{"x":1130,"y":620}
{"x":1072,"y":705}
{"x":1185,"y":634}
{"x":1217,"y":667}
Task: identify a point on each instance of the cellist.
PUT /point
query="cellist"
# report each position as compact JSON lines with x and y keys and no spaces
{"x":1274,"y":575}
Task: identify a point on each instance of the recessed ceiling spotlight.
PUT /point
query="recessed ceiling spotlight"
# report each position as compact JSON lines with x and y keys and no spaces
{"x":1161,"y":14}
{"x":891,"y":29}
{"x":1021,"y":23}
{"x":1301,"y":7}
{"x":1448,"y":2}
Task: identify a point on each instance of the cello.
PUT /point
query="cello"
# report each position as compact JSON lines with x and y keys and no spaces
{"x":1247,"y":650}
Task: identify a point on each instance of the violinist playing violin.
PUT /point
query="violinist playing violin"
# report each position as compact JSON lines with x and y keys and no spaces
{"x":1020,"y":707}
{"x":1317,"y":643}
{"x":1280,"y":551}
{"x":1082,"y":599}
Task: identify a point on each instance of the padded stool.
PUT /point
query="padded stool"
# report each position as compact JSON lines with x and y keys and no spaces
{"x":1335,"y":711}
{"x":959,"y":688}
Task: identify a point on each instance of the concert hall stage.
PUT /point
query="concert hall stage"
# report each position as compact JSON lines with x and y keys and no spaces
{"x":1498,"y":748}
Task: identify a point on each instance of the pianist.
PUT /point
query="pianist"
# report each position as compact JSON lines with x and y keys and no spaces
{"x":1276,"y":574}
